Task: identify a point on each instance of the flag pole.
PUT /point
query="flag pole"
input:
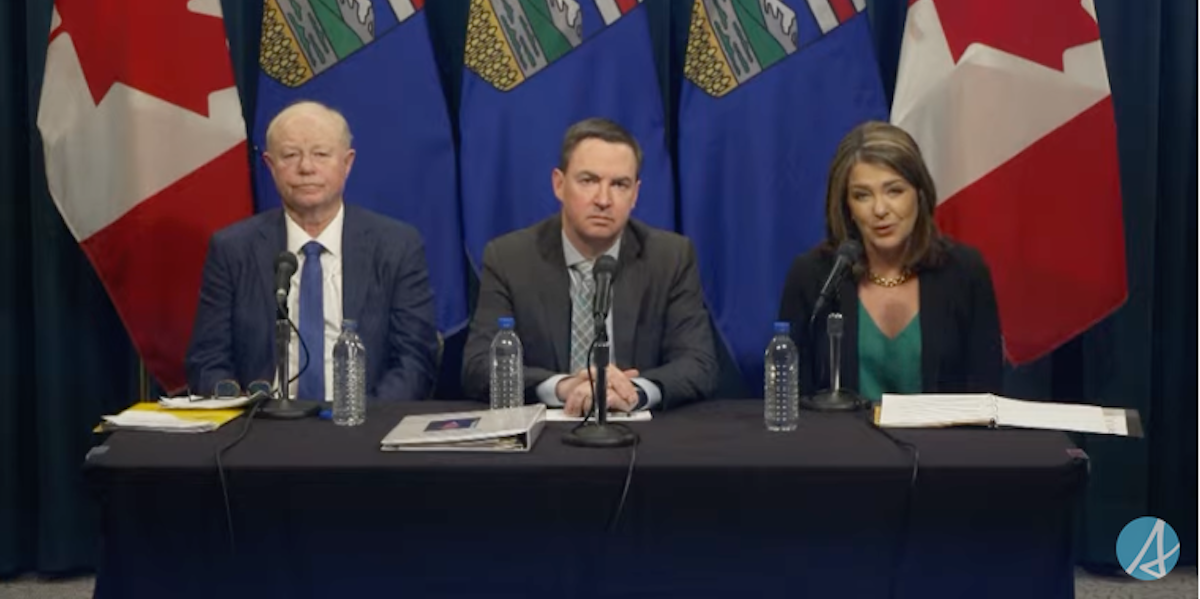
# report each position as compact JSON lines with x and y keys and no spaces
{"x":143,"y":381}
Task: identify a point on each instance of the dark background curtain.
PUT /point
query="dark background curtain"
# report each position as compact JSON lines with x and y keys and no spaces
{"x":64,"y":356}
{"x":65,"y":359}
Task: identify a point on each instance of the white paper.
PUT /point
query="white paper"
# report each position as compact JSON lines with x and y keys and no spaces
{"x":1060,"y":417}
{"x":158,"y":421}
{"x":1117,"y":422}
{"x":936,"y":410}
{"x":197,"y":402}
{"x":559,"y":416}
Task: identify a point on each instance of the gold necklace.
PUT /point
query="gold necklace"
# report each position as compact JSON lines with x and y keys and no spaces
{"x":889,"y":281}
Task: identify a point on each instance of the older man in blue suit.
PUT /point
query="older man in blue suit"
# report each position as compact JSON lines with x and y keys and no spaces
{"x":353,"y":265}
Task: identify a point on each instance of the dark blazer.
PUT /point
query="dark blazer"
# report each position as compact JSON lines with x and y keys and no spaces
{"x":660,"y":324}
{"x":385,"y":287}
{"x":960,"y":327}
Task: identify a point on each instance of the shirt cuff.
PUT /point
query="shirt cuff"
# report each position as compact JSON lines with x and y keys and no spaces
{"x":546,"y":391}
{"x":652,"y":392}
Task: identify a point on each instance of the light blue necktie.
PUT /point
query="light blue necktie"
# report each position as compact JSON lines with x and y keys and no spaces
{"x":312,"y":324}
{"x":583,"y":325}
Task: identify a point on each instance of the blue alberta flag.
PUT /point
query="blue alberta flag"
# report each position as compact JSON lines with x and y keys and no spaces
{"x":772,"y":87}
{"x":372,"y":60}
{"x":532,"y":69}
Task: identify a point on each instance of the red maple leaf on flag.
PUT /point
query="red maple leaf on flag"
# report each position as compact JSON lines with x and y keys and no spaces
{"x":1038,"y":30}
{"x":158,"y":47}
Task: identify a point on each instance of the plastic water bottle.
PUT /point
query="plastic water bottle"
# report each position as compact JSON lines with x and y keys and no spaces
{"x":349,"y":377}
{"x":508,"y":372}
{"x":781,"y":393}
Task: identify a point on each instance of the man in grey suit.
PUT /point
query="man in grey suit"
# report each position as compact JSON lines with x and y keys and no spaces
{"x":661,"y":339}
{"x":353,"y":264}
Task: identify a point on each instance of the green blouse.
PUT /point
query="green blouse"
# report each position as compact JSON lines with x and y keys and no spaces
{"x":885,"y":364}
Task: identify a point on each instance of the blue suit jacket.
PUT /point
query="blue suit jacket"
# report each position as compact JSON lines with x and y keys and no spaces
{"x":385,"y":287}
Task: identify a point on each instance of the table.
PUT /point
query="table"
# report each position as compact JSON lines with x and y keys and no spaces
{"x":716,"y":507}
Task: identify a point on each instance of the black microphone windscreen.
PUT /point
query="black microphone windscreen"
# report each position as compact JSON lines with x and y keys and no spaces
{"x":605,"y":265}
{"x":287,"y":260}
{"x":851,"y":250}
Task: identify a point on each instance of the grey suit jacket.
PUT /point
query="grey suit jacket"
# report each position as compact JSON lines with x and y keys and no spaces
{"x":660,"y":323}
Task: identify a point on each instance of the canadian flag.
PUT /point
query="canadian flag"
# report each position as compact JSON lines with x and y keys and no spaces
{"x":146,"y":156}
{"x":1011,"y":106}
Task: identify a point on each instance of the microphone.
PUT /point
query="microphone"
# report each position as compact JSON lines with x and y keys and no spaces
{"x":835,"y":399}
{"x":285,"y":267}
{"x":603,"y":272}
{"x":848,"y":253}
{"x":284,"y":406}
{"x":601,"y":433}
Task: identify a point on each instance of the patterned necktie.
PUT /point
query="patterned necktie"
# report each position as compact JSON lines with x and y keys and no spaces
{"x":312,"y":324}
{"x":583,"y":292}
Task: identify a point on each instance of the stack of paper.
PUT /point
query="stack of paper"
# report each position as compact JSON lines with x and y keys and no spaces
{"x":196,"y":402}
{"x":153,"y":417}
{"x":558,"y":415}
{"x":934,"y":410}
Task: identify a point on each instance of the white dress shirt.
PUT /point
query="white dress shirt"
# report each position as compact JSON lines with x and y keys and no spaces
{"x":546,"y":390}
{"x":331,"y":272}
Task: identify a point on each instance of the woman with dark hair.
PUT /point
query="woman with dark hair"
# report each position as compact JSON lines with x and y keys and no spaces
{"x":919,"y":310}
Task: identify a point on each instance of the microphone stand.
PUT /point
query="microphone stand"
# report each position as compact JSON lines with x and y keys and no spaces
{"x":282,"y":406}
{"x":283,"y":338}
{"x":601,"y":433}
{"x":834,"y":399}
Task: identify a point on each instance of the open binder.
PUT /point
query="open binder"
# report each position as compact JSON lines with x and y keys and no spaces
{"x":985,"y":409}
{"x":507,"y":430}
